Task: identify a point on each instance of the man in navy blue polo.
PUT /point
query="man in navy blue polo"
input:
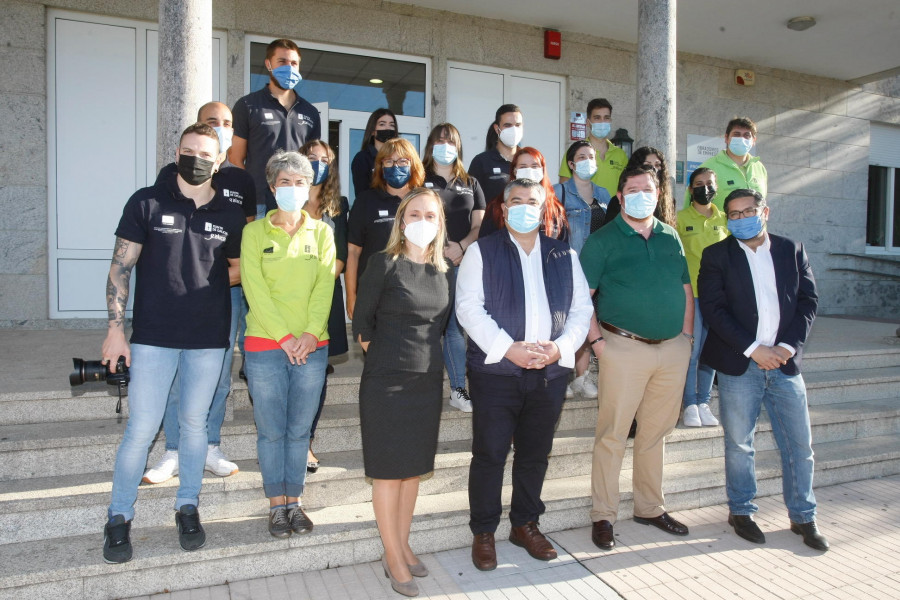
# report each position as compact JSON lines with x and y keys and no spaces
{"x":523,"y":300}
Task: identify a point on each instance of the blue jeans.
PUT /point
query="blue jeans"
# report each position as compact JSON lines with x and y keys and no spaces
{"x":217,"y":408}
{"x":152,"y":371}
{"x":784,"y":397}
{"x":285,"y":400}
{"x":455,"y":350}
{"x":699,"y":381}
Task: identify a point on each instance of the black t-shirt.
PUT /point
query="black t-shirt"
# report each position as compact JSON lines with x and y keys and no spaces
{"x":267,"y":126}
{"x":181,"y":297}
{"x":492,"y":172}
{"x":235,"y":184}
{"x":361,"y":169}
{"x":459,"y":201}
{"x":371,"y":220}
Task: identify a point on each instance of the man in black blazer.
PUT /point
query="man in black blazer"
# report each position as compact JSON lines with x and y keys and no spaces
{"x":758,"y":296}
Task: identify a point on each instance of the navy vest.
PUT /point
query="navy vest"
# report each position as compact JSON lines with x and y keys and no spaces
{"x":504,"y":296}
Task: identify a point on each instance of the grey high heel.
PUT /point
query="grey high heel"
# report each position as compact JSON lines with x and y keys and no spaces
{"x":418,"y":570}
{"x":407,"y":588}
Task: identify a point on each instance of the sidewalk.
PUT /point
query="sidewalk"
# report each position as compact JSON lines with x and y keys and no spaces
{"x":860,"y":519}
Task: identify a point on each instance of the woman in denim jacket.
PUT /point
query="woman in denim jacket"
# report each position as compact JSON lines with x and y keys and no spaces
{"x":585,"y":201}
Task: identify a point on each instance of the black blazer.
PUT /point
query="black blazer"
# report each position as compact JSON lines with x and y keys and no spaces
{"x":728,"y":303}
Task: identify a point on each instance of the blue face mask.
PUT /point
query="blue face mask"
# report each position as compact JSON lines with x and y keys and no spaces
{"x":396,"y":177}
{"x":585,"y":169}
{"x":320,"y":171}
{"x":444,"y":154}
{"x":746,"y":228}
{"x":290,"y":198}
{"x":640,"y":205}
{"x":600,"y":130}
{"x":740,"y":146}
{"x":523,"y":217}
{"x":287,"y":76}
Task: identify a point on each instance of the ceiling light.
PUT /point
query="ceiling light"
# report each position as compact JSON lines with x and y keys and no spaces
{"x":801,"y":23}
{"x":376,"y":81}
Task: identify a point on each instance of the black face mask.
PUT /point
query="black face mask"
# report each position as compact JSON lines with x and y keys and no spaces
{"x":703,"y":195}
{"x":383,"y":135}
{"x":195,"y":170}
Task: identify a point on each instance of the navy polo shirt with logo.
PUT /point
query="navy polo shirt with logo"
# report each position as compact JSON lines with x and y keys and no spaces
{"x":459,"y":200}
{"x":181,"y":295}
{"x":492,"y":172}
{"x":235,"y":184}
{"x":267,"y":126}
{"x":370,"y":223}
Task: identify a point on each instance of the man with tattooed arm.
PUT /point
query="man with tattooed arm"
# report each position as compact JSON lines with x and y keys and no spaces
{"x":184,"y":237}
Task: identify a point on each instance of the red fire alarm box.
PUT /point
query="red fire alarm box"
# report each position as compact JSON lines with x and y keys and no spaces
{"x":552,"y":44}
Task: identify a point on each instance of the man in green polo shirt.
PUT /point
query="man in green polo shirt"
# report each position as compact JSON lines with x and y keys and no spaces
{"x":735,"y":167}
{"x":642,"y":337}
{"x":610,"y":159}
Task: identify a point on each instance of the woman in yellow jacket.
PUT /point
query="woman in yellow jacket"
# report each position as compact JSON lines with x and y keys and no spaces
{"x":287,"y":270}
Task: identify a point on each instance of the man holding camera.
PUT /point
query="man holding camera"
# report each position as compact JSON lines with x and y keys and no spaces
{"x":185,"y":239}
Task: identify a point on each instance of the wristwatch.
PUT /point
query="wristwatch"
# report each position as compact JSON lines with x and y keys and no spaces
{"x":688,"y":336}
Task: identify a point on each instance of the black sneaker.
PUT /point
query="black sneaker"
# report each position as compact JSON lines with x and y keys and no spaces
{"x":190,"y":532}
{"x":279,"y":525}
{"x":300,"y":522}
{"x":117,"y":540}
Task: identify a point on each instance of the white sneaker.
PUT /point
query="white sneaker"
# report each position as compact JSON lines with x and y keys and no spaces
{"x":570,"y":393}
{"x":691,"y":416}
{"x":706,"y":416}
{"x":164,"y":470}
{"x":218,"y":464}
{"x":584,"y":385}
{"x":459,"y":398}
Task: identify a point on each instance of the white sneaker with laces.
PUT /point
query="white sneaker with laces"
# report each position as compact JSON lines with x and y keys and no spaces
{"x":459,"y":398}
{"x":164,"y":470}
{"x":692,"y":416}
{"x":218,"y":464}
{"x":584,"y":385}
{"x":707,"y":419}
{"x":570,"y":393}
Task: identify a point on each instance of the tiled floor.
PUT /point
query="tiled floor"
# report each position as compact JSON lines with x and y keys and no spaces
{"x":860,"y":519}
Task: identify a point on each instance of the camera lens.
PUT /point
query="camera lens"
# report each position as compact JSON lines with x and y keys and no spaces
{"x":86,"y":370}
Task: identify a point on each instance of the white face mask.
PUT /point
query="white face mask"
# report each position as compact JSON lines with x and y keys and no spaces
{"x":421,"y":233}
{"x":225,"y":134}
{"x":530,"y":173}
{"x":290,"y":198}
{"x":511,"y":136}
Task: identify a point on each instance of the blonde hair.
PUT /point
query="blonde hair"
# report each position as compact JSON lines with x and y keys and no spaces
{"x":434,"y":253}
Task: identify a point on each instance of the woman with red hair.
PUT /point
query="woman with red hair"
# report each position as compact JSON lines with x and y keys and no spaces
{"x":529,"y":163}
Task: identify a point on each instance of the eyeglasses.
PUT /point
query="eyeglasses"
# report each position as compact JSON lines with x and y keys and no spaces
{"x":400,"y":162}
{"x":733,"y":215}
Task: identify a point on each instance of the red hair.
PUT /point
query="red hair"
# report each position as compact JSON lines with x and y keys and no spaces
{"x":555,"y":222}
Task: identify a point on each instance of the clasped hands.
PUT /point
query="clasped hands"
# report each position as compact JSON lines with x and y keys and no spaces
{"x":533,"y":355}
{"x":771,"y":357}
{"x":299,"y":349}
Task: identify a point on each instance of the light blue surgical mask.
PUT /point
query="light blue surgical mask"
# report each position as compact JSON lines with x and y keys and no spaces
{"x":746,"y":228}
{"x":600,"y":130}
{"x":444,"y":154}
{"x":396,"y":177}
{"x":225,"y":134}
{"x":640,"y":205}
{"x":320,"y":171}
{"x":290,"y":198}
{"x":523,"y":218}
{"x":287,"y":76}
{"x":740,"y":146}
{"x":585,"y":169}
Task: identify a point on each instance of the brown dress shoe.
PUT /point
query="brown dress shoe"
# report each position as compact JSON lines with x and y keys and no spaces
{"x":602,"y":535}
{"x":528,"y":536}
{"x":484,"y":556}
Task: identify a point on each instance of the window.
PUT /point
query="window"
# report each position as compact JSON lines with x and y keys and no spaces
{"x":883,"y":214}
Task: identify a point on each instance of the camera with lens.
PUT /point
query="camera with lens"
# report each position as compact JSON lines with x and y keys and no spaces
{"x":95,"y":370}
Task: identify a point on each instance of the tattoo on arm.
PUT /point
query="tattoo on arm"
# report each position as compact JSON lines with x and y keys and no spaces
{"x":125,"y":256}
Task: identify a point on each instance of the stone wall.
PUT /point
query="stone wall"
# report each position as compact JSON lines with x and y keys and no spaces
{"x":813,"y":138}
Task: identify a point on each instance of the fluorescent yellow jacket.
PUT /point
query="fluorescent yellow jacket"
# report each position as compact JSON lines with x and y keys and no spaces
{"x":730,"y":177}
{"x":696,"y":233}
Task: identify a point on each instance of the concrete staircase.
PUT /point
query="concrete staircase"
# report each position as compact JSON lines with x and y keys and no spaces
{"x":57,"y":451}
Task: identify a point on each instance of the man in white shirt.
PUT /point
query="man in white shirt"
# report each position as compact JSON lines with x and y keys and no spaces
{"x":524,"y":303}
{"x":758,"y":295}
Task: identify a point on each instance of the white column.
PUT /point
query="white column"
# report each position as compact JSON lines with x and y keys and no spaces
{"x":185,"y":70}
{"x":656,"y":77}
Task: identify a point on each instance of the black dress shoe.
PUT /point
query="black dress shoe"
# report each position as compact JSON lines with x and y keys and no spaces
{"x":746,"y":527}
{"x":312,"y":466}
{"x":811,"y":535}
{"x":602,"y":535}
{"x":664,"y":522}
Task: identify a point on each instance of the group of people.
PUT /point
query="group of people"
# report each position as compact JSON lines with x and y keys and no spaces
{"x":499,"y":276}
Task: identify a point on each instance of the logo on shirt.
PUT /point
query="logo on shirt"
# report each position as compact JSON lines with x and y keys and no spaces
{"x":168,"y":219}
{"x":429,"y":185}
{"x":216,"y":232}
{"x":382,"y":213}
{"x":496,"y":170}
{"x":268,"y":115}
{"x":305,"y":120}
{"x":269,"y":250}
{"x":233,"y":196}
{"x":691,"y":228}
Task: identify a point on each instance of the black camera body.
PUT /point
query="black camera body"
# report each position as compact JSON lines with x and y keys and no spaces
{"x":94,"y":370}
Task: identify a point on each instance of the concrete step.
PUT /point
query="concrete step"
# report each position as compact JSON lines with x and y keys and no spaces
{"x":886,"y":356}
{"x":241,"y":548}
{"x":75,"y":504}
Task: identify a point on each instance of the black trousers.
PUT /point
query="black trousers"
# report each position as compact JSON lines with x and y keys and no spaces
{"x":505,"y":408}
